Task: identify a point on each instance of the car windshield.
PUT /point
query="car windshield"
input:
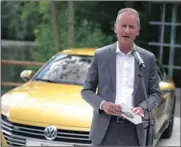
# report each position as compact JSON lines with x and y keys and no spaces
{"x":68,"y":69}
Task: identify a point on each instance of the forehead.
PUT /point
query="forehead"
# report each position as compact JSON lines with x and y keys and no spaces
{"x":128,"y":17}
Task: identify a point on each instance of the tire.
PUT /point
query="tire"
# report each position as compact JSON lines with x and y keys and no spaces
{"x":168,"y":132}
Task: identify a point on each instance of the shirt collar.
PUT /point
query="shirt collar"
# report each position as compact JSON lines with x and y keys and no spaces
{"x":119,"y":51}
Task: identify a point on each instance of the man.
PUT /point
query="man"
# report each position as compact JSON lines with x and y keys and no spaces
{"x":114,"y":78}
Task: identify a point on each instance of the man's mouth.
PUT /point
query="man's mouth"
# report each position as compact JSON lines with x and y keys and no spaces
{"x":126,"y":37}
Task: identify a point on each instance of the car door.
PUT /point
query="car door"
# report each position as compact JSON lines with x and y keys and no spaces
{"x":161,"y":112}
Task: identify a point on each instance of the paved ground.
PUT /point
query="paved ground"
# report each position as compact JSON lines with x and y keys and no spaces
{"x":178,"y":98}
{"x":175,"y":139}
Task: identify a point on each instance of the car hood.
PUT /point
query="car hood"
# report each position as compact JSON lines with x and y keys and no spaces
{"x":44,"y":104}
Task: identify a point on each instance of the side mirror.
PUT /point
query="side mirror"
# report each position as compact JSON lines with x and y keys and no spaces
{"x":27,"y":74}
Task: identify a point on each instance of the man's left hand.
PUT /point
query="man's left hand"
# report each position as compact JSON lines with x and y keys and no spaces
{"x":139,"y":111}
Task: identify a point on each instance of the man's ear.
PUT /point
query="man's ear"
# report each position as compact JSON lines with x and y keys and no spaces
{"x":115,"y":28}
{"x":138,"y":32}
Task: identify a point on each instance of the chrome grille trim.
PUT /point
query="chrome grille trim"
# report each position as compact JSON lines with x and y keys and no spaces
{"x":72,"y":138}
{"x":6,"y":123}
{"x":29,"y":133}
{"x":9,"y":133}
{"x":13,"y":139}
{"x":16,"y":134}
{"x":29,"y":129}
{"x":3,"y":126}
{"x":62,"y":133}
{"x":10,"y":143}
{"x":12,"y":135}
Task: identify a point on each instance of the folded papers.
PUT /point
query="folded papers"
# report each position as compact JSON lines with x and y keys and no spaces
{"x":130,"y":115}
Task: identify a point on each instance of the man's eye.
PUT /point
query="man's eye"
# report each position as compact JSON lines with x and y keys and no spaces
{"x":131,"y":27}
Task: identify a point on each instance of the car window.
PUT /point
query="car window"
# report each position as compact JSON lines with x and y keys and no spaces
{"x":66,"y":69}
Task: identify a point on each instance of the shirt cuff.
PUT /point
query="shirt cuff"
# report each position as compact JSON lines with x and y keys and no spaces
{"x":101,"y":105}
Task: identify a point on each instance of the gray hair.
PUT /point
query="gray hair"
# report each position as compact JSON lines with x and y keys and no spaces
{"x":131,"y":10}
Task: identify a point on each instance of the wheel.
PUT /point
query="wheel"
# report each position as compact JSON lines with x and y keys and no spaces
{"x":168,"y":132}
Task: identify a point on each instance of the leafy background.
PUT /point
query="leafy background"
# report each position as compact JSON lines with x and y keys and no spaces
{"x":93,"y":27}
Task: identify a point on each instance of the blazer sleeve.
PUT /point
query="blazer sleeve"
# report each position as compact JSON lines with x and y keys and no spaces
{"x":90,"y":85}
{"x":154,"y":94}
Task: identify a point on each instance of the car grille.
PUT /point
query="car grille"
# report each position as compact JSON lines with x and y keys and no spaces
{"x":16,"y":134}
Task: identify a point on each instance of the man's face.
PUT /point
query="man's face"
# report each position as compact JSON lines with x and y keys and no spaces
{"x":127,"y":28}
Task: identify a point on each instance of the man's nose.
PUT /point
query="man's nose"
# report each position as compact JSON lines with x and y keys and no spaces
{"x":127,"y":29}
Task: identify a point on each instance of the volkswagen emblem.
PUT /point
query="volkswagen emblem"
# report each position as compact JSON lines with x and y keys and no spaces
{"x":50,"y":132}
{"x":128,"y":114}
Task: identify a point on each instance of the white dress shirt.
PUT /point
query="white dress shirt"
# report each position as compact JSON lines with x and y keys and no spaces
{"x":124,"y":78}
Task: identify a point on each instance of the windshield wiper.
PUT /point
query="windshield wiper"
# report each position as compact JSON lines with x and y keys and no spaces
{"x":61,"y":82}
{"x":45,"y":80}
{"x":69,"y":82}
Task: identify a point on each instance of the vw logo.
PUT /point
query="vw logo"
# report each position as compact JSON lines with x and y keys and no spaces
{"x":50,"y":132}
{"x":128,"y":114}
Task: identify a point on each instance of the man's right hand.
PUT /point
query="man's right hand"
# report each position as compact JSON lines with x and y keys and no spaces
{"x":111,"y":108}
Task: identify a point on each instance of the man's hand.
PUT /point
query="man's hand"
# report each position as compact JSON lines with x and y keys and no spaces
{"x":111,"y":108}
{"x":139,"y":111}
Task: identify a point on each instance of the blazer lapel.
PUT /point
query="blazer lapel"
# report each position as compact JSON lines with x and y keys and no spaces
{"x":112,"y":63}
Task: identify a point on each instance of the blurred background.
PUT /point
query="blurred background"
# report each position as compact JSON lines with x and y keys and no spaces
{"x":33,"y":31}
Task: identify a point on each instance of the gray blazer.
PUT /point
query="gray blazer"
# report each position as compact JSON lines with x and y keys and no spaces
{"x":100,"y":84}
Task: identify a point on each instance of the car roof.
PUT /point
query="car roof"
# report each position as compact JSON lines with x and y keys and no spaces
{"x":79,"y":51}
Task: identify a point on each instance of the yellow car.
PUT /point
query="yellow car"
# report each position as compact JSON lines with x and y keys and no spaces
{"x":48,"y":109}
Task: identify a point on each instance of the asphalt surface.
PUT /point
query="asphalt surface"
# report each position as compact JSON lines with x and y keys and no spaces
{"x":175,"y":138}
{"x":178,"y":97}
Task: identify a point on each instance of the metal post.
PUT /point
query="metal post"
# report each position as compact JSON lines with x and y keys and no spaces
{"x":162,"y":33}
{"x":172,"y":40}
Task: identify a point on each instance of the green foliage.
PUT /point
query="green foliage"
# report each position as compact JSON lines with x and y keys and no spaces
{"x":13,"y":25}
{"x":87,"y":34}
{"x":44,"y":39}
{"x":94,"y":24}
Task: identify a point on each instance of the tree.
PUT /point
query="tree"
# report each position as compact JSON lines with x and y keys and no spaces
{"x":13,"y":25}
{"x":56,"y":28}
{"x":70,"y":24}
{"x":87,"y":33}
